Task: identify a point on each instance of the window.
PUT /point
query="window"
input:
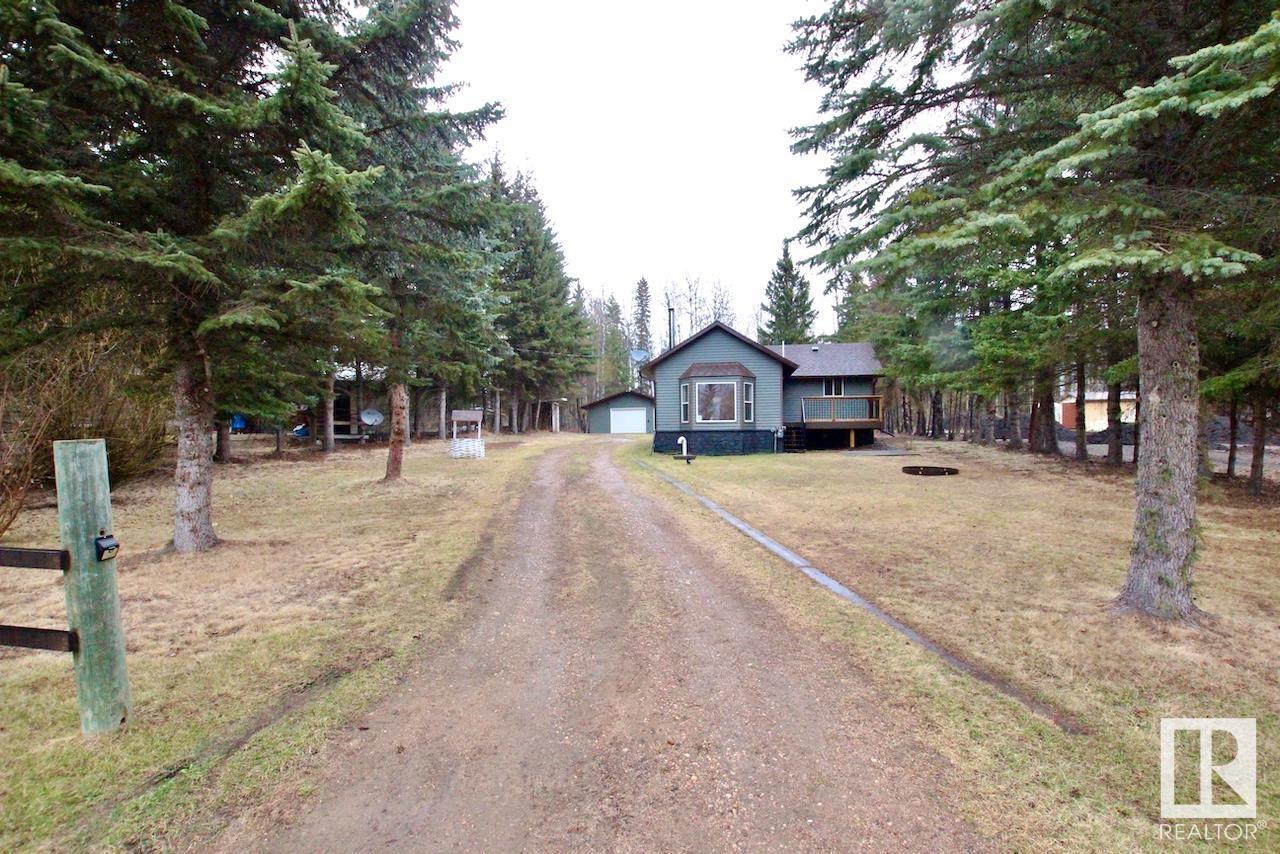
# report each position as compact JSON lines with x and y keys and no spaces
{"x":833,"y":387}
{"x":717,"y":403}
{"x":684,"y":403}
{"x":748,"y":401}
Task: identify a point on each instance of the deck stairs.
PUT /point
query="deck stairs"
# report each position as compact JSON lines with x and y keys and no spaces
{"x":793,"y":441}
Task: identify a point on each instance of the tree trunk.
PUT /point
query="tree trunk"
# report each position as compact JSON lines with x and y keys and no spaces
{"x":280,"y":439}
{"x":399,"y":431}
{"x":328,"y":442}
{"x":357,"y":405}
{"x":193,"y":475}
{"x":222,"y":447}
{"x":1047,"y":440}
{"x":1013,"y":419}
{"x":1033,"y":425}
{"x":1164,"y":530}
{"x":1233,"y":420}
{"x":442,"y":406}
{"x":515,"y":413}
{"x":497,"y":412}
{"x":1082,"y":425}
{"x":1137,"y":420}
{"x":935,"y":414}
{"x":1115,"y":426}
{"x":414,"y":398}
{"x":1260,"y":425}
{"x":1204,"y":462}
{"x":989,"y":428}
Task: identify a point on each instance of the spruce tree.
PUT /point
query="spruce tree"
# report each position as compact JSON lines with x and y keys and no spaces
{"x":1146,"y":193}
{"x":540,"y":321}
{"x":788,"y":305}
{"x":426,"y":247}
{"x":225,"y":189}
{"x":615,"y":356}
{"x":642,"y":318}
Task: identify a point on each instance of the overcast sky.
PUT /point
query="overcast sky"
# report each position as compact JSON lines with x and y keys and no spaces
{"x":656,"y":133}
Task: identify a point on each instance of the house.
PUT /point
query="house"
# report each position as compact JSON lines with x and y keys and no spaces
{"x":727,"y":394}
{"x":1095,"y":409}
{"x":624,"y":412}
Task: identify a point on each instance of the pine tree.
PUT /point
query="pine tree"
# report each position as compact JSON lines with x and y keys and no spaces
{"x":788,"y":305}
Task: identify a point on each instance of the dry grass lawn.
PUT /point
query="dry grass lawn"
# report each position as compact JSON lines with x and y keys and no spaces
{"x":242,"y":659}
{"x":1013,"y":564}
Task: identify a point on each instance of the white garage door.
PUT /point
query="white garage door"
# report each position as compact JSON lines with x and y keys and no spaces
{"x":627,"y":421}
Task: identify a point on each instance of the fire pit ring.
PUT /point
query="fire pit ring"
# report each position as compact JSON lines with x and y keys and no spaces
{"x":929,"y":471}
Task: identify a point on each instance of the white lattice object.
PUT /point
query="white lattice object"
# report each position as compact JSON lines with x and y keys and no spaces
{"x":466,"y":449}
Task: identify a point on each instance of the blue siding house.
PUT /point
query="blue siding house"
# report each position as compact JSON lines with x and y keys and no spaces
{"x":727,"y":394}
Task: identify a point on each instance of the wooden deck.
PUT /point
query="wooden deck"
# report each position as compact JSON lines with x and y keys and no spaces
{"x":839,"y":413}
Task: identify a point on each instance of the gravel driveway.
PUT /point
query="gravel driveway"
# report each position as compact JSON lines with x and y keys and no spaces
{"x":612,"y":689}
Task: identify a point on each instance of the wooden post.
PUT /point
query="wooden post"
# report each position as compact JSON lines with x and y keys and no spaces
{"x":93,"y":606}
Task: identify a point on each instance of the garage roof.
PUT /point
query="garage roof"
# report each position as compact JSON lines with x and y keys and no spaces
{"x":617,"y":395}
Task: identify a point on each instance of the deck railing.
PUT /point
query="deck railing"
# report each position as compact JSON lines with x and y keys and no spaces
{"x":839,"y":409}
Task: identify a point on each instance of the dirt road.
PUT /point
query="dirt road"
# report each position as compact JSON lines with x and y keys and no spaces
{"x":611,"y":689}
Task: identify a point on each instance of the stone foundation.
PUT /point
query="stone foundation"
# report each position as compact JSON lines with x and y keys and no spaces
{"x":714,"y":443}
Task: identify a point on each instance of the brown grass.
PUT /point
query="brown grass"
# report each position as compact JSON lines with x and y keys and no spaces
{"x":243,"y":658}
{"x":1014,"y":565}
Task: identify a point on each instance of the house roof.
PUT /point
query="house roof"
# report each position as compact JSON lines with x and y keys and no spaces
{"x":647,"y":368}
{"x":716,"y":369}
{"x":617,"y":395}
{"x":832,"y":360}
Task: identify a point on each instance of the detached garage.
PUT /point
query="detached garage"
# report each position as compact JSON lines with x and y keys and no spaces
{"x":624,"y":412}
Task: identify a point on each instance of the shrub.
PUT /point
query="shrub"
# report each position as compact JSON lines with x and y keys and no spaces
{"x":101,"y":387}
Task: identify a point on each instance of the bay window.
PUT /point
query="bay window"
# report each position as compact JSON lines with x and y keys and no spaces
{"x":717,"y":402}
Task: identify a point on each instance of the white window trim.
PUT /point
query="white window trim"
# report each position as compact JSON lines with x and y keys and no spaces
{"x":833,"y":381}
{"x":684,"y":403}
{"x":698,"y":415}
{"x":748,"y":400}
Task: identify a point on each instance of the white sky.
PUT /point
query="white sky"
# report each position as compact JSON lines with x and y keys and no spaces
{"x":656,"y":134}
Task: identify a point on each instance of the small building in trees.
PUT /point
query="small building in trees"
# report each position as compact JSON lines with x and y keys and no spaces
{"x":624,"y":412}
{"x":1095,"y":410}
{"x":727,"y":394}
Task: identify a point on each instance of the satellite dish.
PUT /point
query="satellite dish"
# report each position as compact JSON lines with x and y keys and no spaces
{"x":371,"y":417}
{"x":639,"y":355}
